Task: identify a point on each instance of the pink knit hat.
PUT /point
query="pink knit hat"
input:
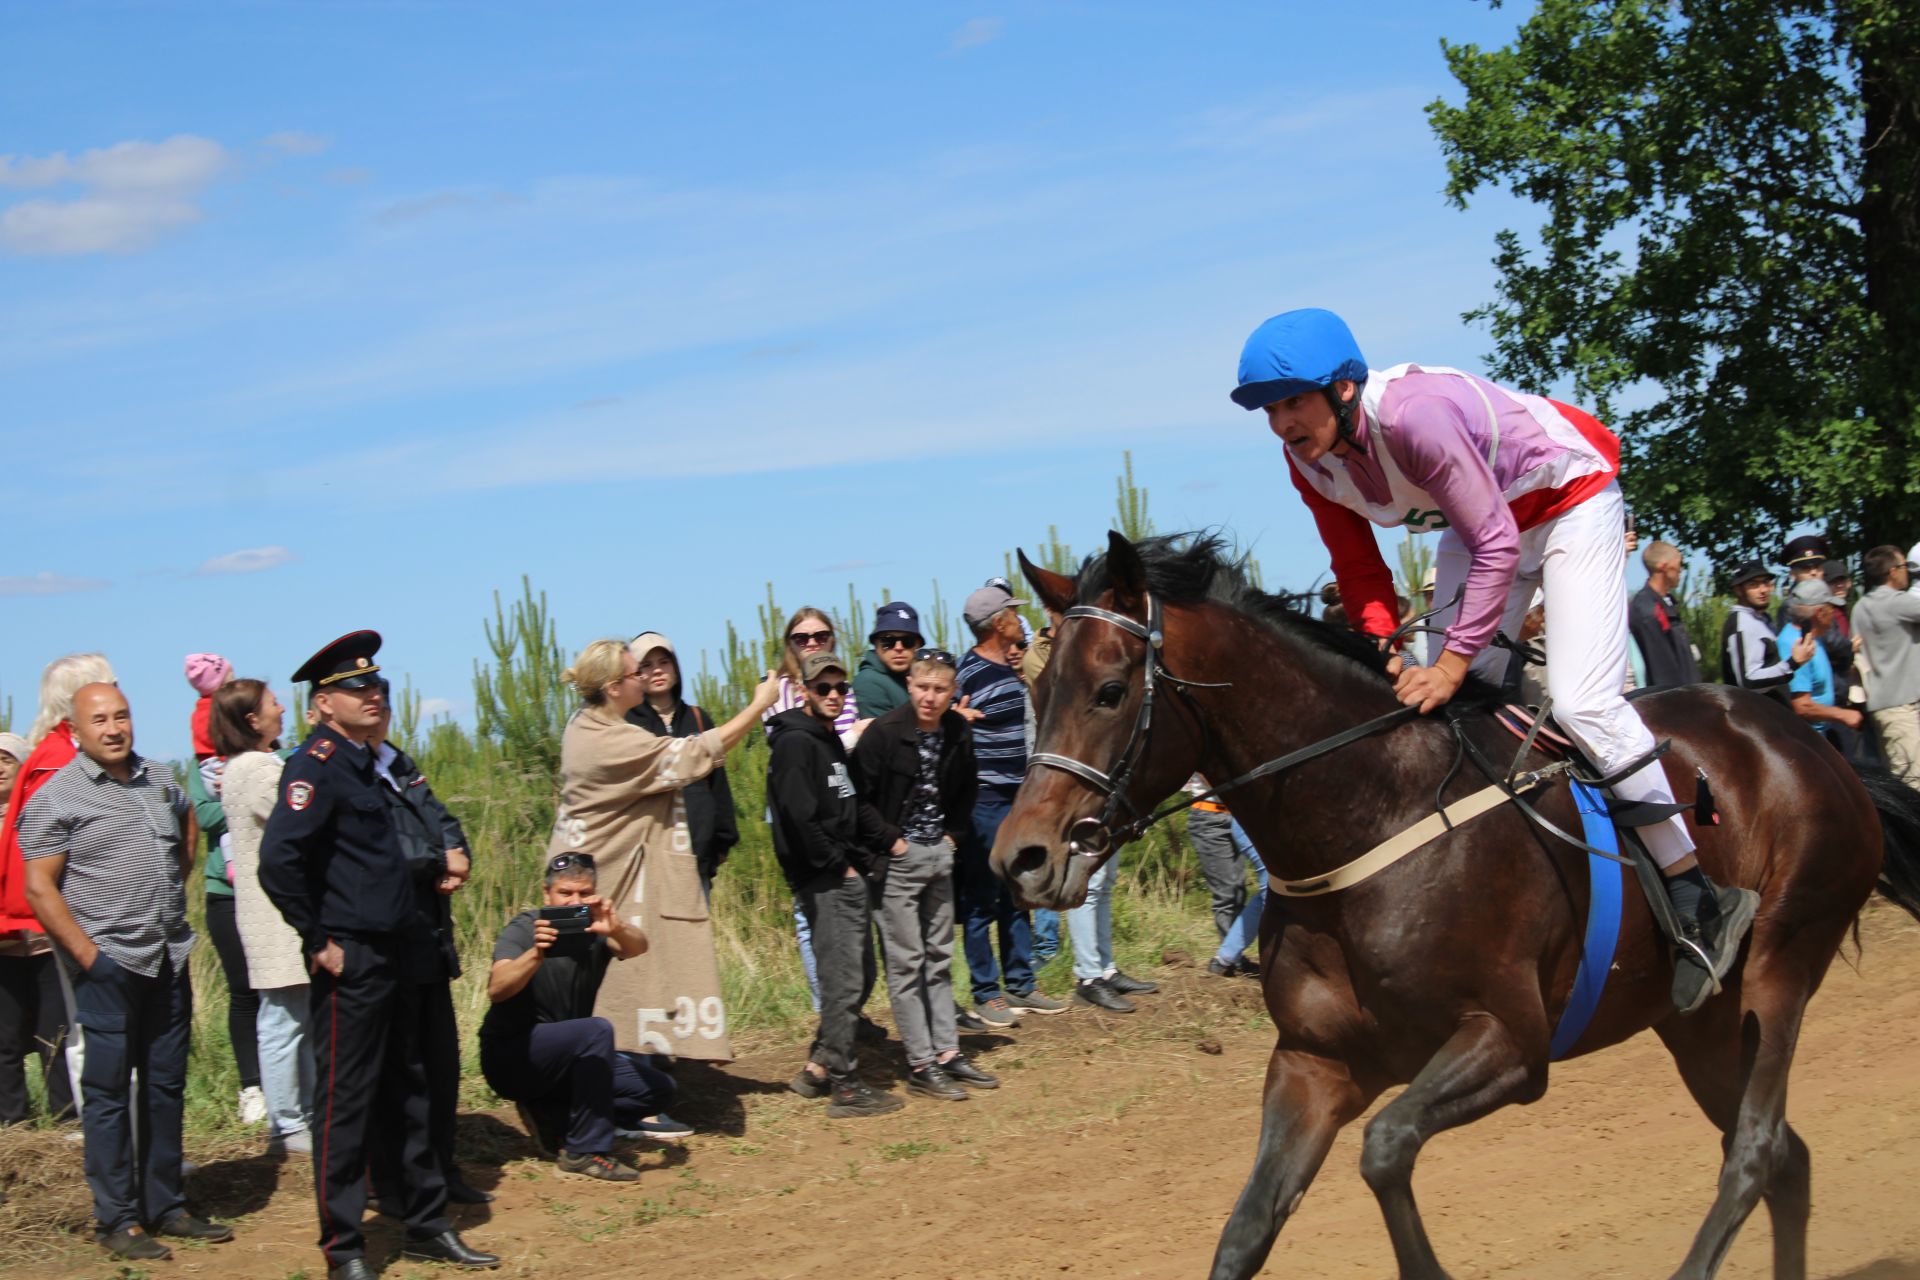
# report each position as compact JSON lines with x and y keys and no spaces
{"x":208,"y":671}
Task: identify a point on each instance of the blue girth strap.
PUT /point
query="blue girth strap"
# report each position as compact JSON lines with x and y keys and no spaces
{"x":1605,"y":881}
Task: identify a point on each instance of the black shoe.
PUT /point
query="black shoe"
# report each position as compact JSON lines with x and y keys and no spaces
{"x":1220,"y":969}
{"x":546,"y":1136}
{"x":134,"y":1244}
{"x":1096,"y":992}
{"x":851,"y":1098}
{"x":449,"y":1247}
{"x":934,"y":1082}
{"x":187,"y":1227}
{"x":351,"y":1269}
{"x":865,"y":1028}
{"x":959,"y":1068}
{"x":809,"y":1085}
{"x":1710,"y":943}
{"x":1130,"y":986}
{"x":460,"y":1191}
{"x":965,"y":1020}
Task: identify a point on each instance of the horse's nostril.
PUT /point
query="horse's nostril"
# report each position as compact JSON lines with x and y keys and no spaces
{"x":1028,"y":860}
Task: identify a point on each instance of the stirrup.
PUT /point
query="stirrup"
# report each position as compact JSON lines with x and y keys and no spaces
{"x":1706,"y":963}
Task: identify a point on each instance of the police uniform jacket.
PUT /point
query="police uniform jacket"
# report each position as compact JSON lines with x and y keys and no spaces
{"x":426,"y":830}
{"x":330,"y":858}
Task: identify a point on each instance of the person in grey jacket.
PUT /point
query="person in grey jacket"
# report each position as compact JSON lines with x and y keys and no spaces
{"x":1887,"y":620}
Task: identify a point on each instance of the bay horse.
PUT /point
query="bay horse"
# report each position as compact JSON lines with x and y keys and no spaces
{"x":1447,"y":971}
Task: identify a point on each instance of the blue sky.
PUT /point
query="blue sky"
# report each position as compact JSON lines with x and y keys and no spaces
{"x":319,"y":317}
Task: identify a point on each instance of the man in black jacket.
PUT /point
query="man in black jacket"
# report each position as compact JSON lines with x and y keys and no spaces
{"x":915,"y":766}
{"x":1653,"y":616}
{"x":711,"y":822}
{"x":828,"y":841}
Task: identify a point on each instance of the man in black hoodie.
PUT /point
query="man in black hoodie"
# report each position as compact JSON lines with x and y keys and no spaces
{"x":828,"y":841}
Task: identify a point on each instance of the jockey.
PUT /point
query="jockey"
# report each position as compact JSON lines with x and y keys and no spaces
{"x":1526,"y":493}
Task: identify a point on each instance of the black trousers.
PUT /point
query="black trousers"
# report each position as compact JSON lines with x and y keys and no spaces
{"x":33,"y":1020}
{"x":440,"y":1063}
{"x":133,"y":1023}
{"x":243,"y":1002}
{"x":839,"y":914}
{"x":572,"y":1065}
{"x":370,"y":1077}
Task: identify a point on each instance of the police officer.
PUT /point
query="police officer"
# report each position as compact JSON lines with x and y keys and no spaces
{"x":435,"y":846}
{"x":331,"y":861}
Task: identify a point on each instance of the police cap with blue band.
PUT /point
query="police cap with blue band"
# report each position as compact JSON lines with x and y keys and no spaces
{"x":347,"y":663}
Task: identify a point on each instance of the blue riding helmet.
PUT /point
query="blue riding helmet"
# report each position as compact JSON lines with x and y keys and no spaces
{"x":1296,"y":351}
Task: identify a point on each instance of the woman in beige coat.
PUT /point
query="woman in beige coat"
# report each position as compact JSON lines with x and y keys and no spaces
{"x":245,"y":725}
{"x":620,"y":801}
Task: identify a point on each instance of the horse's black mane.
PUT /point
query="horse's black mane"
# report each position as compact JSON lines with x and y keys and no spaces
{"x":1189,"y":568}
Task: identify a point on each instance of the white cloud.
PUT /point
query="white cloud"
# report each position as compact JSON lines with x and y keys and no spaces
{"x":48,"y":584}
{"x":292,"y":142}
{"x":134,"y":192}
{"x":247,"y":560}
{"x":976,"y":32}
{"x":431,"y":707}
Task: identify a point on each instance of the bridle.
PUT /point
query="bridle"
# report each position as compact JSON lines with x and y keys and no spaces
{"x":1096,"y":837}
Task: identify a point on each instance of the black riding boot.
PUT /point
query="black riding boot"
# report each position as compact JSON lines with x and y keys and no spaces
{"x":1713,"y":920}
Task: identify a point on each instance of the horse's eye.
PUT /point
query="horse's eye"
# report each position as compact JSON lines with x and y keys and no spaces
{"x":1111,"y":693}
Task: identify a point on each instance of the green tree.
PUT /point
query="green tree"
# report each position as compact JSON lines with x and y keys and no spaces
{"x":1132,"y":519}
{"x":520,"y":701}
{"x":1732,"y":244}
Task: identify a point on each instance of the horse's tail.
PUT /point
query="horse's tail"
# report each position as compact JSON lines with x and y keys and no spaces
{"x":1899,"y":806}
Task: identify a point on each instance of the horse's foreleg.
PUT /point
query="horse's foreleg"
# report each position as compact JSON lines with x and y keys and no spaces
{"x":1481,"y":1069}
{"x":1763,"y":1155}
{"x":1305,"y":1102}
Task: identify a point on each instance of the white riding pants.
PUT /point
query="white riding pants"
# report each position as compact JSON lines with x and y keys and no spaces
{"x":1579,"y":560}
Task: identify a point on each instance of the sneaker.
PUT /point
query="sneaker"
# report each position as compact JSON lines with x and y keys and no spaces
{"x":253,"y":1105}
{"x":809,"y":1085}
{"x":595,"y":1165}
{"x":1717,"y":932}
{"x":1034,"y":1002}
{"x":933,"y":1081}
{"x":852,"y":1098}
{"x":1127,"y":986}
{"x":1221,"y":969}
{"x":187,"y":1227}
{"x":959,"y":1067}
{"x":546,"y":1138}
{"x":964,"y":1020}
{"x":865,"y":1028}
{"x":660,"y":1128}
{"x":134,"y":1245}
{"x":996,"y":1013}
{"x":1099,"y":993}
{"x":290,"y":1144}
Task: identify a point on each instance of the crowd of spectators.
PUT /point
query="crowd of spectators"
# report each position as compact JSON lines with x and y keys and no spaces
{"x":328,"y":867}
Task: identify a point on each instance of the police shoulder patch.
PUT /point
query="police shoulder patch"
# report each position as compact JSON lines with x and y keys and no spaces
{"x":299,"y":795}
{"x":321,"y":749}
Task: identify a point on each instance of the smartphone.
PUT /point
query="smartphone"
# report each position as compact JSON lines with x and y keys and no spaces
{"x":1630,"y":528}
{"x":566,"y":920}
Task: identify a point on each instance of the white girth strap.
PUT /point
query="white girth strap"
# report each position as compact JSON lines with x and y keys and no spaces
{"x":1385,"y":854}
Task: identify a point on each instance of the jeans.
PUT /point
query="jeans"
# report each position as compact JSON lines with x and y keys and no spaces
{"x":988,"y":913}
{"x":1246,"y":926}
{"x":840,"y":912}
{"x":916,"y":919}
{"x":1091,"y":926}
{"x":803,"y":934}
{"x":1220,"y":863}
{"x":572,"y":1064}
{"x":243,"y":1002}
{"x":144,"y":1024}
{"x":286,"y":1059}
{"x":33,"y":1021}
{"x":1045,"y":926}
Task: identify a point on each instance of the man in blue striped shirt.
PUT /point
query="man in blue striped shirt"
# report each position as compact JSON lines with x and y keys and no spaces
{"x":1003,"y":987}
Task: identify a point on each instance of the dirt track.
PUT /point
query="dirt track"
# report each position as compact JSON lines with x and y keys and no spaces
{"x":1118,"y":1145}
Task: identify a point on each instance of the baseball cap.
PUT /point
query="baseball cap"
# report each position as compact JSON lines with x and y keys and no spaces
{"x":986,"y":602}
{"x":1812,"y":591}
{"x":814,"y":663}
{"x":646,"y":642}
{"x":1836,"y":571}
{"x":1747,"y":571}
{"x":896,"y":615}
{"x":16,"y":746}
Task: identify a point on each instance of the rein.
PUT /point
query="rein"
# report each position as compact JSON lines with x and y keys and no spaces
{"x":1094,"y":837}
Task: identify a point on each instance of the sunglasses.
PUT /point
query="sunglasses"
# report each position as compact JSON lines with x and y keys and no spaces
{"x":821,"y":688}
{"x":810,"y":637}
{"x":895,"y":640}
{"x":566,"y":861}
{"x":940,"y":656}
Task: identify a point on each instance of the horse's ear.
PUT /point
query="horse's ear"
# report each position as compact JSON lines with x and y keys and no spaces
{"x":1128,"y":574}
{"x":1055,"y":590}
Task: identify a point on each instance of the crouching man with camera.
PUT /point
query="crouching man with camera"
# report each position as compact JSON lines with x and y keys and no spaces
{"x":541,"y":1046}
